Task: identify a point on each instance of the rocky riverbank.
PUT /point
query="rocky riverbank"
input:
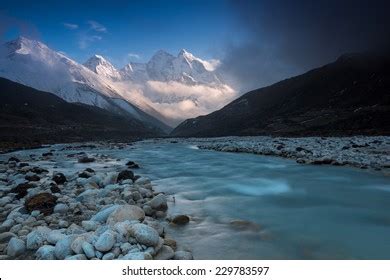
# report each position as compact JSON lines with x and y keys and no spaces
{"x":361,"y":152}
{"x":74,"y":202}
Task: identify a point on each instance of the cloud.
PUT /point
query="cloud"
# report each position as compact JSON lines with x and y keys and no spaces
{"x":85,"y":40}
{"x":70,"y":26}
{"x":178,"y":101}
{"x":133,"y":55}
{"x":286,"y":38}
{"x":96,"y":26}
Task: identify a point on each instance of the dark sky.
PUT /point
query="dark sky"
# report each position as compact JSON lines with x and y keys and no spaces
{"x":286,"y":38}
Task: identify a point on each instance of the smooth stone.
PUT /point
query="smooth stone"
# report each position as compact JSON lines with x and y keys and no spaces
{"x":46,"y":252}
{"x":126,"y":213}
{"x":102,"y":215}
{"x":134,"y":256}
{"x":88,"y":249}
{"x":145,"y":234}
{"x":77,"y":257}
{"x":148,"y":210}
{"x":61,"y":208}
{"x":165,"y":253}
{"x":35,"y":213}
{"x":105,"y":241}
{"x":183,"y":255}
{"x":63,"y":248}
{"x":108,"y":256}
{"x":181,"y":220}
{"x":159,"y":202}
{"x":6,"y":236}
{"x":36,"y":238}
{"x":77,"y":244}
{"x":16,"y":247}
{"x":6,"y":225}
{"x":90,"y":225}
{"x":54,"y":236}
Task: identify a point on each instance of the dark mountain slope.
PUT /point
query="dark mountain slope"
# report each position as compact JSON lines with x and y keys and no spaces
{"x":28,"y":115}
{"x":348,"y":97}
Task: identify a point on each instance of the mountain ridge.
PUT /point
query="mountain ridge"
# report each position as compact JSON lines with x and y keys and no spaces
{"x":347,"y":97}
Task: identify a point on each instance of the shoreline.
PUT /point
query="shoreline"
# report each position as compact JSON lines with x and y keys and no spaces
{"x":70,"y":201}
{"x":364,"y":152}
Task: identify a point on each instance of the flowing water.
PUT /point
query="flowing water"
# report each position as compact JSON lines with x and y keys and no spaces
{"x":280,"y":209}
{"x":291,"y":211}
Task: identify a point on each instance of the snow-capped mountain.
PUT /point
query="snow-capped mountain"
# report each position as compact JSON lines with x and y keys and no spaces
{"x":167,"y":89}
{"x":102,"y":67}
{"x":32,"y":63}
{"x":164,"y":67}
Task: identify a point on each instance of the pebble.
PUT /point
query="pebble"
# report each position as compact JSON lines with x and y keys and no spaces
{"x":61,"y":208}
{"x":183,"y":255}
{"x":105,"y":241}
{"x":165,"y":253}
{"x":46,"y":252}
{"x":63,"y":247}
{"x":126,"y":213}
{"x":16,"y":247}
{"x":88,"y":249}
{"x":145,"y":234}
{"x":6,"y":236}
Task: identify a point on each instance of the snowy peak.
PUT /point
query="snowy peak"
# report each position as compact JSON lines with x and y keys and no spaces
{"x":102,"y":67}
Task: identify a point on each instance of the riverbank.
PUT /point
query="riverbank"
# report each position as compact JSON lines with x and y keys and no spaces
{"x":359,"y":151}
{"x":76,"y":202}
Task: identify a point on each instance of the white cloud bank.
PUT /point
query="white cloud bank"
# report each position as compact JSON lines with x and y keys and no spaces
{"x":177,"y":101}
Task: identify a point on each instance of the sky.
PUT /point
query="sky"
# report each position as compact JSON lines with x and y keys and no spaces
{"x":121,"y":30}
{"x":258,"y":42}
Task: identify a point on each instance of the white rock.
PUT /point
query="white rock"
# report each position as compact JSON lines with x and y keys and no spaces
{"x":90,"y":225}
{"x":102,"y":215}
{"x":63,"y":249}
{"x":108,"y":256}
{"x":88,"y":249}
{"x":16,"y":247}
{"x":54,"y":236}
{"x":126,"y":213}
{"x":76,"y":257}
{"x":159,"y":202}
{"x":105,"y":241}
{"x":145,"y":234}
{"x":134,"y":256}
{"x":61,"y":208}
{"x":36,"y":238}
{"x":46,"y":252}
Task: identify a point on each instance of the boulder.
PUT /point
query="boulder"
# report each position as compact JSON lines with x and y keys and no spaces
{"x":145,"y":234}
{"x":44,"y":202}
{"x":159,"y":202}
{"x":16,"y":247}
{"x":102,"y":215}
{"x":126,"y":213}
{"x":63,"y":247}
{"x":46,"y":252}
{"x":125,"y":175}
{"x":59,"y":178}
{"x":181,"y":220}
{"x":105,"y":241}
{"x":37,"y":238}
{"x":88,"y":249}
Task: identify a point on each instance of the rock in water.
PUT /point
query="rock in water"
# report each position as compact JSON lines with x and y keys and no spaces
{"x":126,"y":213}
{"x":34,"y":178}
{"x":124,"y":175}
{"x":86,"y":159}
{"x":16,"y":247}
{"x":244,"y":225}
{"x":43,"y":202}
{"x":181,"y":220}
{"x":59,"y":178}
{"x":145,"y":234}
{"x":105,"y":241}
{"x":159,"y":202}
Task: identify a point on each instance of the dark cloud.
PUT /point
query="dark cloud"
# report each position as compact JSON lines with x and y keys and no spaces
{"x":287,"y":38}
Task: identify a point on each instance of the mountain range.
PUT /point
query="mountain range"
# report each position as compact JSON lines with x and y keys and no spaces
{"x":137,"y":90}
{"x":350,"y":96}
